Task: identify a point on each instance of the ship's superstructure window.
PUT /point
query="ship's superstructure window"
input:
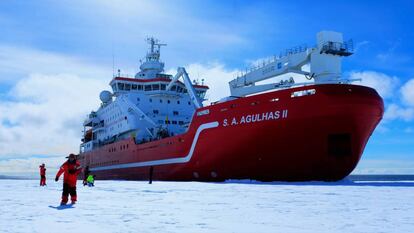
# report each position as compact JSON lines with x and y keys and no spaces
{"x":175,"y":113}
{"x":155,"y":111}
{"x":127,"y":87}
{"x":178,"y":102}
{"x":201,"y":94}
{"x":155,"y":87}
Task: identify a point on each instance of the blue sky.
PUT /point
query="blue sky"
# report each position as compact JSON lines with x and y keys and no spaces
{"x":56,"y":56}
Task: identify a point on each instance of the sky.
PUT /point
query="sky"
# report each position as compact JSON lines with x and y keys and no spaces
{"x":57,"y":56}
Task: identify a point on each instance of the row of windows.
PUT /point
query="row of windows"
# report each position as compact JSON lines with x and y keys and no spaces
{"x":168,"y":122}
{"x":121,"y":147}
{"x":155,"y":111}
{"x":149,"y":87}
{"x":161,"y":101}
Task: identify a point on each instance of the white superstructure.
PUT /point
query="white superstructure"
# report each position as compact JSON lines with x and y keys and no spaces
{"x":151,"y":106}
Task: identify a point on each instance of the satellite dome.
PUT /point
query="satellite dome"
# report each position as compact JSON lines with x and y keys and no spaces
{"x":105,"y":96}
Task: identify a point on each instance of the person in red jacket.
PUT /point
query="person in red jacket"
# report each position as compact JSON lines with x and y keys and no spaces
{"x":70,"y":169}
{"x":42,"y":174}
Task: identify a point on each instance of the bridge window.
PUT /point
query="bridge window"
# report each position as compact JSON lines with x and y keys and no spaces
{"x":140,"y":87}
{"x":163,"y":86}
{"x":201,"y":94}
{"x":127,"y":87}
{"x":155,"y":87}
{"x":120,"y":86}
{"x":134,"y":86}
{"x":148,"y":88}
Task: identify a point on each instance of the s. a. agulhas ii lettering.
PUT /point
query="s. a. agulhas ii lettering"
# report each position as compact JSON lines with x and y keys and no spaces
{"x":256,"y":117}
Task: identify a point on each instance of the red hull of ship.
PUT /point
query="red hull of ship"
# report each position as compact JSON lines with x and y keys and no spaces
{"x":266,"y":137}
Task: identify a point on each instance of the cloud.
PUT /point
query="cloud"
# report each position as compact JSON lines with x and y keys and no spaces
{"x":387,"y":86}
{"x":216,"y":76}
{"x":407,"y":92}
{"x":18,"y":62}
{"x":384,"y":84}
{"x":42,"y":112}
{"x":125,"y":25}
{"x":394,"y":111}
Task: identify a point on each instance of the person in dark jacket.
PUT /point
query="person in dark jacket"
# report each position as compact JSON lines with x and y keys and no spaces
{"x":85,"y":175}
{"x":70,"y":169}
{"x":42,"y":169}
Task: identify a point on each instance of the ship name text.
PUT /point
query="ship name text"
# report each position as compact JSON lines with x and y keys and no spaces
{"x":257,"y":117}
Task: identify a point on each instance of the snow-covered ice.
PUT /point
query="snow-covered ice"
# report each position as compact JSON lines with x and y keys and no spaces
{"x":130,"y":206}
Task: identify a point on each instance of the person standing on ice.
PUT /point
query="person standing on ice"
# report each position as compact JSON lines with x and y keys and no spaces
{"x":42,"y":169}
{"x":90,"y":180}
{"x":85,"y":175}
{"x":70,"y":169}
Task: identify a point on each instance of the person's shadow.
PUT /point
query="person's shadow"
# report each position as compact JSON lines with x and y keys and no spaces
{"x":62,"y":207}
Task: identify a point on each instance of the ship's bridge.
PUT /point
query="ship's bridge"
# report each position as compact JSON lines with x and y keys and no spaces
{"x":158,"y":85}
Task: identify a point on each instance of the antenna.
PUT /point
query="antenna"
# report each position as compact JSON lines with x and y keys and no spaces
{"x":113,"y":60}
{"x":113,"y":64}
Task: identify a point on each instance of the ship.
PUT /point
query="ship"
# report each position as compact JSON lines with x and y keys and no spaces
{"x":156,"y":126}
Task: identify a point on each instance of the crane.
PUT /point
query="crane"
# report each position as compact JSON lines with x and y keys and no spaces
{"x":324,"y":61}
{"x":187,"y":82}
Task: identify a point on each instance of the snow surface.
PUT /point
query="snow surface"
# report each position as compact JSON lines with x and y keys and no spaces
{"x":130,"y":206}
